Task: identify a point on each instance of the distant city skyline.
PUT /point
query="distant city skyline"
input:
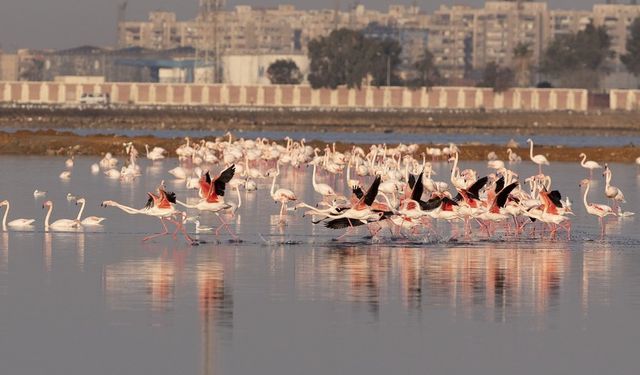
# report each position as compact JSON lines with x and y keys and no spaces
{"x":59,"y":24}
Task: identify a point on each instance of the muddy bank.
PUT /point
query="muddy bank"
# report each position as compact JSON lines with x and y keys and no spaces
{"x":255,"y":119}
{"x":51,"y":142}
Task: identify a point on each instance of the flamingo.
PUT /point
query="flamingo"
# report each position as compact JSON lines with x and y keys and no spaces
{"x":39,"y":194}
{"x":614,"y":193}
{"x":65,"y":175}
{"x":590,"y":164}
{"x":60,"y":224}
{"x":156,"y":154}
{"x":211,"y":194}
{"x":599,"y":210}
{"x":322,"y":189}
{"x":69,"y":163}
{"x":538,"y":159}
{"x":161,"y":206}
{"x":14,"y":224}
{"x":95,"y":168}
{"x":90,"y":221}
{"x":281,"y":195}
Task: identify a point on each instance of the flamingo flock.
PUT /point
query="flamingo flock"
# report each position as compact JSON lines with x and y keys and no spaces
{"x":391,"y":190}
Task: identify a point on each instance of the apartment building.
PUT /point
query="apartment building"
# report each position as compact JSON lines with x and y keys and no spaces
{"x":463,"y":39}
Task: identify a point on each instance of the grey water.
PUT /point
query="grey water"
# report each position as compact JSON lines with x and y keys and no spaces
{"x":292,"y":300}
{"x":363,"y":137}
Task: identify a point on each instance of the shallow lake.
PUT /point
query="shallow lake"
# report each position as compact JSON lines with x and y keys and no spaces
{"x":291,"y":300}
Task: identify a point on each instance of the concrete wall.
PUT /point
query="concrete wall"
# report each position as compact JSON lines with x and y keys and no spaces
{"x":299,"y":96}
{"x":628,"y":100}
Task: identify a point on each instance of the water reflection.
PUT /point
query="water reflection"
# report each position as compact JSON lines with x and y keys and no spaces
{"x":216,"y":310}
{"x":477,"y":281}
{"x":134,"y":284}
{"x":596,"y":274}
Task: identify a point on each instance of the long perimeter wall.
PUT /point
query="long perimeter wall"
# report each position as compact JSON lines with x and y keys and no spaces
{"x":299,"y":96}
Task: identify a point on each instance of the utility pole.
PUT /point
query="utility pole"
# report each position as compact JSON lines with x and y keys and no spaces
{"x":122,"y":17}
{"x":388,"y":70}
{"x":207,"y":42}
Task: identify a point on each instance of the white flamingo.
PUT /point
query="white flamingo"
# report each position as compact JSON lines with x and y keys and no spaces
{"x":14,"y":224}
{"x":538,"y":159}
{"x":58,"y":224}
{"x":589,"y":164}
{"x":90,"y":221}
{"x":599,"y":210}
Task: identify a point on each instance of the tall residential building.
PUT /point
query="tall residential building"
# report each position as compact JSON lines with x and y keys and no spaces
{"x":462,"y":39}
{"x":451,"y":32}
{"x":501,"y":25}
{"x":616,"y":18}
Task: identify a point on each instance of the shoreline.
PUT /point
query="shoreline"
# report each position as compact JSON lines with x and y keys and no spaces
{"x":594,"y":123}
{"x":52,"y":143}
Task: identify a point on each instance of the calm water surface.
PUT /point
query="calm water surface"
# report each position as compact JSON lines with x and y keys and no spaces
{"x":293,"y":301}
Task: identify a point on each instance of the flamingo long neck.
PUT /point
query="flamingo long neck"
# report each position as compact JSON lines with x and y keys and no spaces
{"x":46,"y":218}
{"x":147,"y":148}
{"x":239,"y":197}
{"x":584,"y":197}
{"x":531,"y":150}
{"x":313,"y":179}
{"x":455,"y":167}
{"x":127,"y":209}
{"x":584,"y":158}
{"x":607,"y":181}
{"x":4,"y":218}
{"x":273,"y":184}
{"x":81,"y":210}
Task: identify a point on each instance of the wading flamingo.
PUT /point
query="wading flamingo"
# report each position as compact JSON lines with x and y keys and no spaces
{"x":538,"y":159}
{"x":90,"y":221}
{"x":14,"y":224}
{"x":60,"y":224}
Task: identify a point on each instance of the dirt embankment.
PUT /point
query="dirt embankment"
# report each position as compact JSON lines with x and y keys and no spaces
{"x":50,"y":142}
{"x":405,"y":121}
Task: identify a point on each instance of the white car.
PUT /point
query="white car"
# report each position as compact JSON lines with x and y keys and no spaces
{"x":95,"y":99}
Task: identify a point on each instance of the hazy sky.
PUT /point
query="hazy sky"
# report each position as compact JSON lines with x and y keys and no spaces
{"x":70,"y":23}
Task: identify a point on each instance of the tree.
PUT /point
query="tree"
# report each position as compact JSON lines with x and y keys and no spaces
{"x":347,"y":57}
{"x":382,"y":67}
{"x":578,"y":60}
{"x":426,"y":71}
{"x":522,"y":60}
{"x":284,"y":72}
{"x":631,"y":59}
{"x":497,"y":77}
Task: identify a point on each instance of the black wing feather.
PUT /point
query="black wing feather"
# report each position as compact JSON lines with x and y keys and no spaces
{"x":474,"y":190}
{"x":224,"y":179}
{"x":149,"y":203}
{"x":371,"y":194}
{"x":431,"y":204}
{"x":501,"y":198}
{"x":342,"y":223}
{"x":499,"y":184}
{"x":171,"y":196}
{"x":418,"y":189}
{"x":412,"y":181}
{"x":207,"y":177}
{"x":556,"y":198}
{"x":357,"y":190}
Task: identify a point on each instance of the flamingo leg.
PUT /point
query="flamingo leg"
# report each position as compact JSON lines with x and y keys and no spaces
{"x":226,"y":226}
{"x":164,"y":232}
{"x":180,"y":226}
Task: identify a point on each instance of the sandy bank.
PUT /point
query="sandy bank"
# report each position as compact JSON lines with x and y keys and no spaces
{"x":50,"y":142}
